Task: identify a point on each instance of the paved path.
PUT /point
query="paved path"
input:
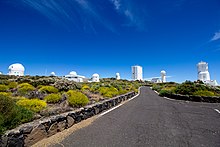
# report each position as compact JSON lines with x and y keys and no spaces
{"x":150,"y":120}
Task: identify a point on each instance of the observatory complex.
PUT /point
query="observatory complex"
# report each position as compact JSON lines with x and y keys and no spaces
{"x":137,"y":73}
{"x":72,"y":76}
{"x":203,"y":74}
{"x":161,"y":79}
{"x":16,"y":69}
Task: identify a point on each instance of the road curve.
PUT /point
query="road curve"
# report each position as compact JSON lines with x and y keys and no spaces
{"x":150,"y":120}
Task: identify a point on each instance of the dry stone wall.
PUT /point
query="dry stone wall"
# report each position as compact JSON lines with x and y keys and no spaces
{"x":30,"y":133}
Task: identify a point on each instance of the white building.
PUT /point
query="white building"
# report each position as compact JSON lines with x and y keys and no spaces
{"x":16,"y":69}
{"x":163,"y":76}
{"x":156,"y":80}
{"x":118,"y":76}
{"x":203,"y":74}
{"x":1,"y":73}
{"x":53,"y":74}
{"x":137,"y":73}
{"x":72,"y":76}
{"x":95,"y":77}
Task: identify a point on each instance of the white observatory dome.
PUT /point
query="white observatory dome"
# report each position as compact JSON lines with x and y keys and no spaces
{"x":52,"y":74}
{"x":16,"y":69}
{"x":163,"y":72}
{"x":1,"y":73}
{"x":95,"y":77}
{"x":73,"y":73}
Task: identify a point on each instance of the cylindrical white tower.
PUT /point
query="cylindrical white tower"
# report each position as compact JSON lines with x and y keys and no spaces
{"x":118,"y":76}
{"x":163,"y":76}
{"x":95,"y":77}
{"x":203,"y":73}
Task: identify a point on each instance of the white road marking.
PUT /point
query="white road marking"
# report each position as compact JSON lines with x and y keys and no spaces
{"x":217,"y":110}
{"x":156,"y":92}
{"x":169,"y":99}
{"x":120,"y":104}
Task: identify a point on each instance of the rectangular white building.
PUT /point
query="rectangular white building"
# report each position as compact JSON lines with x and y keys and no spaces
{"x":137,"y":72}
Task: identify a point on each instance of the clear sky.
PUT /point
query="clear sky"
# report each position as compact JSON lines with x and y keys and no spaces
{"x":109,"y":36}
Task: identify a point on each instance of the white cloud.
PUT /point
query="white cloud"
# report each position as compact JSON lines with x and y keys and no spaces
{"x":216,"y":36}
{"x":117,"y":4}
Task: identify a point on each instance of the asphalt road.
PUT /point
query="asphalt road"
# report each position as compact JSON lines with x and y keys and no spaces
{"x":150,"y":120}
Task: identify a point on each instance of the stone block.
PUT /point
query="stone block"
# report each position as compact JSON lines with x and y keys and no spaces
{"x":38,"y":133}
{"x":52,"y":130}
{"x":70,"y":121}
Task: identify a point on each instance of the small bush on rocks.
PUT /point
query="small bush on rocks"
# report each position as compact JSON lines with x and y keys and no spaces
{"x":12,"y":85}
{"x":34,"y":105}
{"x":204,"y":93}
{"x":85,"y":87}
{"x":165,"y":93}
{"x":3,"y":88}
{"x":108,"y":92}
{"x":48,"y":89}
{"x":77,"y":99}
{"x":25,"y":88}
{"x":6,"y":93}
{"x":53,"y":98}
{"x":12,"y":115}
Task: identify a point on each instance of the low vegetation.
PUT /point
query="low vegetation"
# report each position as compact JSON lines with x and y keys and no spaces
{"x":186,"y":88}
{"x":48,"y":89}
{"x":23,"y":99}
{"x":34,"y":105}
{"x":12,"y":115}
{"x":76,"y":98}
{"x":53,"y":98}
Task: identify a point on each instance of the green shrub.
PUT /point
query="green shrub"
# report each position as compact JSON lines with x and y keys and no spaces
{"x":3,"y":88}
{"x":165,"y":93}
{"x":95,"y":87}
{"x":65,"y":85}
{"x":204,"y":93}
{"x":85,"y":87}
{"x":12,"y":115}
{"x":12,"y":85}
{"x":34,"y":105}
{"x":25,"y":88}
{"x":156,"y":87}
{"x":52,"y":98}
{"x":77,"y":99}
{"x":108,"y":92}
{"x":122,"y":91}
{"x":5,"y":94}
{"x":48,"y":89}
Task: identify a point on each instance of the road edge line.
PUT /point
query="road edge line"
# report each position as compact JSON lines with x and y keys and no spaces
{"x":106,"y":112}
{"x":217,"y":110}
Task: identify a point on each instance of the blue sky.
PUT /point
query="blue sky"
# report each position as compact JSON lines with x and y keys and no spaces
{"x":109,"y":36}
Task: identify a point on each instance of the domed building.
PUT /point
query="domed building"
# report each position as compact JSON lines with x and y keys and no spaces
{"x":95,"y":77}
{"x":53,"y":74}
{"x":16,"y":69}
{"x":72,"y":76}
